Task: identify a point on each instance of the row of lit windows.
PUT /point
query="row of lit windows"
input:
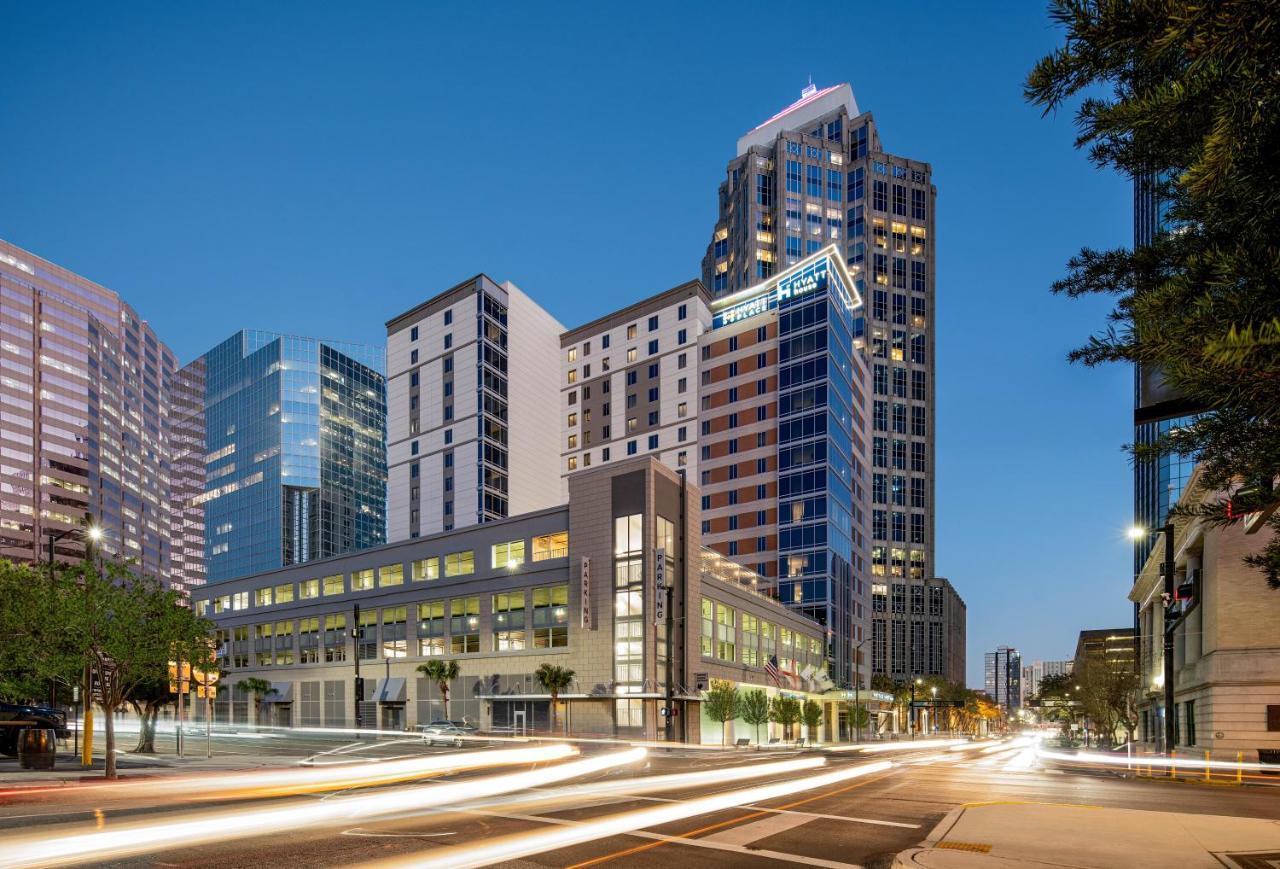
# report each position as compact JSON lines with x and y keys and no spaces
{"x":510,"y":556}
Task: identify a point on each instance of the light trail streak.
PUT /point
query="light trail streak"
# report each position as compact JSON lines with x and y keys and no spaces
{"x":1161,"y":762}
{"x":647,"y":784}
{"x":328,"y":776}
{"x":49,"y":847}
{"x":535,"y":842}
{"x":918,"y":745}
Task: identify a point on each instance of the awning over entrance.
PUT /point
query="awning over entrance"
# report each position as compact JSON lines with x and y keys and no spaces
{"x":281,"y":692}
{"x":391,"y":690}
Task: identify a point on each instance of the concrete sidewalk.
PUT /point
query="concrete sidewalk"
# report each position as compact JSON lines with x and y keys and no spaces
{"x":1053,"y":835}
{"x":68,"y":771}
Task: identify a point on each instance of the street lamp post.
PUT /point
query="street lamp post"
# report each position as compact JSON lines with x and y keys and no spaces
{"x":912,"y":717}
{"x":933,"y":710}
{"x":857,"y":684}
{"x":1169,"y":598}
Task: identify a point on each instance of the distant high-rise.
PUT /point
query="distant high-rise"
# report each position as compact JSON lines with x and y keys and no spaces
{"x":84,"y":418}
{"x":1033,"y":674}
{"x":1003,"y":677}
{"x":281,"y":454}
{"x":814,"y":175}
{"x":918,"y":629}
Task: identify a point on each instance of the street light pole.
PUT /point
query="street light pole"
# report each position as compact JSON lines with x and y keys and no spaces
{"x":857,"y":684}
{"x":1168,"y":599}
{"x":1170,"y":716}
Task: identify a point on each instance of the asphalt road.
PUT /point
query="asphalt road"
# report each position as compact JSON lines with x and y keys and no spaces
{"x":861,"y":821}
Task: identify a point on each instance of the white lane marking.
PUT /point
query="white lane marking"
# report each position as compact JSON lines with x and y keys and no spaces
{"x":745,"y":834}
{"x":779,"y":856}
{"x":810,"y":815}
{"x":378,"y":834}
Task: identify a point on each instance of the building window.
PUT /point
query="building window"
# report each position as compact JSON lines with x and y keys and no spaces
{"x":508,"y":621}
{"x":308,"y":588}
{"x":549,"y":546}
{"x":431,"y":628}
{"x":284,"y":593}
{"x":390,"y":574}
{"x":459,"y":563}
{"x":394,"y":642}
{"x":509,"y":555}
{"x":464,"y":625}
{"x":362,"y":580}
{"x":551,"y":617}
{"x":426,"y":569}
{"x":413,"y":334}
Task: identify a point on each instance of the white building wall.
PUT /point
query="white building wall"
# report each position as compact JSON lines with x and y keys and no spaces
{"x":533,"y":346}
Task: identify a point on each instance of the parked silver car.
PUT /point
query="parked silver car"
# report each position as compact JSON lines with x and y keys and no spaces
{"x":446,"y":732}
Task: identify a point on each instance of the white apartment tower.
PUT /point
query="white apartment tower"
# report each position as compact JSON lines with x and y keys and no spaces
{"x":471,"y":376}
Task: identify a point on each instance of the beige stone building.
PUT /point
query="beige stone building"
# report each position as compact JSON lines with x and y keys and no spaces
{"x":573,"y":585}
{"x":1226,"y":643}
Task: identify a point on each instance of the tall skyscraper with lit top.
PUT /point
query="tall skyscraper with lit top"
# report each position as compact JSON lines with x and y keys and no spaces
{"x":815,"y":175}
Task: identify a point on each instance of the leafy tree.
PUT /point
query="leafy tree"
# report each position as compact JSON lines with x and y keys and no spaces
{"x":1054,"y":687}
{"x":1191,"y":112}
{"x":127,"y":628}
{"x":260,"y":689}
{"x":442,"y":673}
{"x":859,"y":717}
{"x":553,"y":680}
{"x":754,"y":706}
{"x":785,"y":711}
{"x":812,"y":714}
{"x":722,"y":705}
{"x":1108,"y":696}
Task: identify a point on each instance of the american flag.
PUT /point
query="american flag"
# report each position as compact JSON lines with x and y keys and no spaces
{"x":771,"y":669}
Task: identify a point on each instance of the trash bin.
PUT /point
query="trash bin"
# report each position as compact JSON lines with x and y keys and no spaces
{"x":37,"y":747}
{"x":1270,"y":756}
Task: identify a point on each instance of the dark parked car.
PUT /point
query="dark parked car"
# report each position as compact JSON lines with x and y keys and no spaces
{"x":15,"y":717}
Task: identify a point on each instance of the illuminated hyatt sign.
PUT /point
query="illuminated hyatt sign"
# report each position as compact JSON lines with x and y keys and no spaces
{"x":805,"y":278}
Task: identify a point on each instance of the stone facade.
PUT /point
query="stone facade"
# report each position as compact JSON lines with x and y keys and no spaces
{"x":1226,"y":647}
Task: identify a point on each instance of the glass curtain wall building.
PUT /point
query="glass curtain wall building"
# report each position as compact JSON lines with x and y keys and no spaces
{"x":782,"y":445}
{"x":814,"y":175}
{"x":285,"y":442}
{"x":1157,"y":409}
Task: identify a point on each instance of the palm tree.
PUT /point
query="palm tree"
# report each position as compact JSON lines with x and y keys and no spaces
{"x":553,"y":679}
{"x":442,"y":673}
{"x":259,"y":688}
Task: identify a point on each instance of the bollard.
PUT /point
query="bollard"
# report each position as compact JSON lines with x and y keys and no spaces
{"x":1173,"y":764}
{"x":1239,"y":767}
{"x":1206,"y":766}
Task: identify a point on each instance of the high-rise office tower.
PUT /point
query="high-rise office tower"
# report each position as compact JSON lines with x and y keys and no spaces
{"x":816,"y":174}
{"x":84,"y":418}
{"x":473,"y":392}
{"x":1157,"y":408}
{"x":1003,"y":677}
{"x":782,"y":446}
{"x":918,"y":629}
{"x":282,"y":453}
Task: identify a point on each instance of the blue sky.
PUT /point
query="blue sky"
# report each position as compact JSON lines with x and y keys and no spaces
{"x":317,"y":170}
